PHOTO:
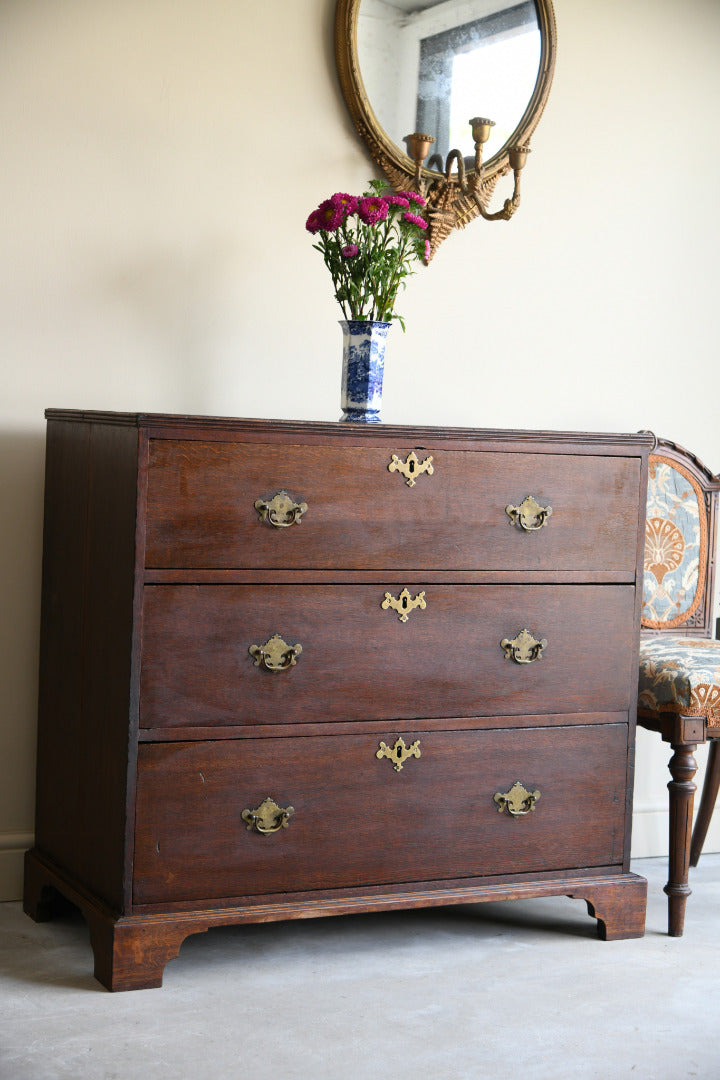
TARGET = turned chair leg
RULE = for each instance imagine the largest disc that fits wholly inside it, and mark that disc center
(683, 767)
(707, 801)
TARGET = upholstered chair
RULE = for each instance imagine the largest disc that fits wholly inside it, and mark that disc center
(679, 691)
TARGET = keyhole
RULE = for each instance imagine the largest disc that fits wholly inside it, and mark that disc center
(411, 465)
(404, 602)
(398, 752)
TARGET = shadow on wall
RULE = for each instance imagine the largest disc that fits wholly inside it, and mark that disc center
(22, 457)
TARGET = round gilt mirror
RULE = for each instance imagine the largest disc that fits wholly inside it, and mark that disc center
(428, 66)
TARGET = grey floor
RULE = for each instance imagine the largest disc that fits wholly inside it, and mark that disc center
(522, 990)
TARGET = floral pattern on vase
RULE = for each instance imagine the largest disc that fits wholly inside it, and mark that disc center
(362, 370)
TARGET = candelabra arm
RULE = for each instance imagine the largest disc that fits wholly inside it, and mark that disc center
(456, 156)
(419, 182)
(505, 214)
(510, 205)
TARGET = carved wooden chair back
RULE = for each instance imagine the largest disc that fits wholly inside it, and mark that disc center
(679, 691)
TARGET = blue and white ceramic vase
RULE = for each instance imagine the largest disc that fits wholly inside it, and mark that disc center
(363, 369)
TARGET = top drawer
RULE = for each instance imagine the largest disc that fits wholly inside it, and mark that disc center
(362, 515)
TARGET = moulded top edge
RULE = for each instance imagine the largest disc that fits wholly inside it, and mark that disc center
(177, 423)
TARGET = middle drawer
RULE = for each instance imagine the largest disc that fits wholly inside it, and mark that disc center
(345, 652)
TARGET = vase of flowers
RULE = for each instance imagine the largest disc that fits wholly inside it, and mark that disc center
(370, 244)
(363, 369)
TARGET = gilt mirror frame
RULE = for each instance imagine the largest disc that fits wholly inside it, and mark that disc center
(395, 163)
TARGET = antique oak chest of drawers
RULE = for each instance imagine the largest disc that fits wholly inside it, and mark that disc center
(300, 669)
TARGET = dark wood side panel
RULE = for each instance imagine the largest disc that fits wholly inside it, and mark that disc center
(360, 662)
(634, 660)
(358, 821)
(85, 745)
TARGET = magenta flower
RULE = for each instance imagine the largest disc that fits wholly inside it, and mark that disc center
(347, 203)
(371, 209)
(331, 215)
(413, 197)
(369, 246)
(415, 219)
(314, 222)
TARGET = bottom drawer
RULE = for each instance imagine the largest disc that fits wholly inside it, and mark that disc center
(359, 820)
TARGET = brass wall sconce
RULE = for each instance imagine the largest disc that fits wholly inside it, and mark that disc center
(455, 199)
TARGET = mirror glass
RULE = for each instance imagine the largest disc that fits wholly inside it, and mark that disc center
(431, 65)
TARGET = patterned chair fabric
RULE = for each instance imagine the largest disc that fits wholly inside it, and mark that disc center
(675, 546)
(680, 675)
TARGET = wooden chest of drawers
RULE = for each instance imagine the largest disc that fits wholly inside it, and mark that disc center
(291, 670)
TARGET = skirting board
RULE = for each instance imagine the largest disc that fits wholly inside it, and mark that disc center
(12, 852)
(650, 802)
(650, 830)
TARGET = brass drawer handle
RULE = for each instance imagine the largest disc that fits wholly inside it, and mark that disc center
(518, 801)
(268, 817)
(529, 515)
(280, 511)
(399, 753)
(411, 467)
(404, 603)
(523, 648)
(275, 654)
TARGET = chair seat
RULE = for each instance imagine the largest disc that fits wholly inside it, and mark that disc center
(680, 675)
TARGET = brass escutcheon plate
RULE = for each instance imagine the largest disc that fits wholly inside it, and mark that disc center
(399, 753)
(412, 467)
(404, 603)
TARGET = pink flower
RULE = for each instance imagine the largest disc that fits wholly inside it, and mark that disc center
(314, 222)
(331, 215)
(371, 209)
(350, 228)
(415, 219)
(413, 197)
(345, 202)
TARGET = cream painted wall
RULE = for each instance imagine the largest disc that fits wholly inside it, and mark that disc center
(159, 160)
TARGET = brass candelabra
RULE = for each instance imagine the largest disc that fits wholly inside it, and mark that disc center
(455, 198)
